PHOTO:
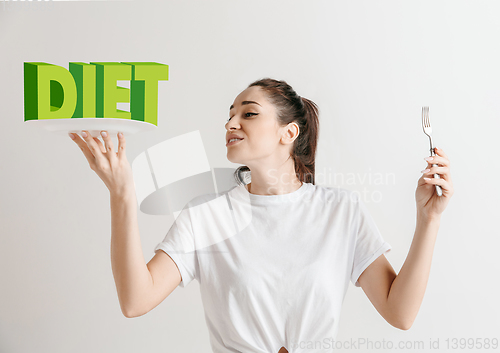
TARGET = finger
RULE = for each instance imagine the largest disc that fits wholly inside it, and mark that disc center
(95, 149)
(437, 181)
(436, 159)
(101, 146)
(442, 171)
(85, 149)
(110, 150)
(121, 146)
(440, 152)
(441, 182)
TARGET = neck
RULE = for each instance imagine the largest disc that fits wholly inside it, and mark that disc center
(274, 181)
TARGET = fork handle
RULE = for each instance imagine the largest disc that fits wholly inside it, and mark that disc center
(439, 191)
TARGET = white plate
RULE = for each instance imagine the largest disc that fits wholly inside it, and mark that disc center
(93, 126)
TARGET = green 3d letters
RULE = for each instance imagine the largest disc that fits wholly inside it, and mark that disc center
(84, 75)
(91, 91)
(49, 92)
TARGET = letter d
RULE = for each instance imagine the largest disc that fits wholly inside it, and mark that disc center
(49, 92)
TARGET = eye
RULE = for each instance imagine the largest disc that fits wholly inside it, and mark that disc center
(246, 114)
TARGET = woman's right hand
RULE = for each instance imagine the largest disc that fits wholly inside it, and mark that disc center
(112, 167)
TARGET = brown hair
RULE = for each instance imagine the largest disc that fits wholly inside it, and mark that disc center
(292, 108)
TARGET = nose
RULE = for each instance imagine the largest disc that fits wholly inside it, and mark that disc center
(231, 125)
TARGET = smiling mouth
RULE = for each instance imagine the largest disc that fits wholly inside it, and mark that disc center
(233, 142)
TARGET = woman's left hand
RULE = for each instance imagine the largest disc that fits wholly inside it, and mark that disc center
(429, 204)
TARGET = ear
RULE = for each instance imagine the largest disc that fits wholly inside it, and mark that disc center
(291, 132)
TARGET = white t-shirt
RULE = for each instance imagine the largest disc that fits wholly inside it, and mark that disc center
(273, 269)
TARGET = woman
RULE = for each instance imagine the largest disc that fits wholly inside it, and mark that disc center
(275, 260)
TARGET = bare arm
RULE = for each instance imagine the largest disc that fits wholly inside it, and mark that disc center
(408, 289)
(398, 297)
(140, 286)
(132, 277)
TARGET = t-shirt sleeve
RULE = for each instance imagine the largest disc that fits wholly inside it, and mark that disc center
(369, 242)
(179, 244)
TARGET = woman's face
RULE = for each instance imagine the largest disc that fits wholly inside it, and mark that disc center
(253, 118)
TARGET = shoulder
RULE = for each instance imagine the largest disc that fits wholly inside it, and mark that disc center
(211, 199)
(334, 194)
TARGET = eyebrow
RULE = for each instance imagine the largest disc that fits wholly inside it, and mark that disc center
(244, 103)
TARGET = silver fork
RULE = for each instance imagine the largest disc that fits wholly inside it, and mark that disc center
(426, 124)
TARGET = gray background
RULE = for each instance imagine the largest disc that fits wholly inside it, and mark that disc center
(370, 66)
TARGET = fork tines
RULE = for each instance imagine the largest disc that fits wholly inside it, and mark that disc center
(425, 117)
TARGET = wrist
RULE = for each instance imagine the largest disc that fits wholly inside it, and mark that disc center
(428, 218)
(124, 194)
